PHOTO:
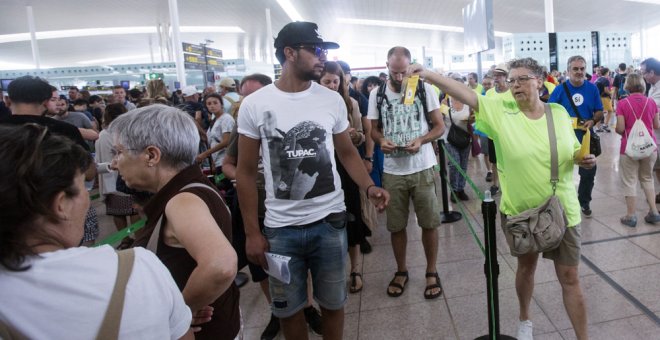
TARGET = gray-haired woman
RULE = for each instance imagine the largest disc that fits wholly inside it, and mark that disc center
(188, 224)
(520, 132)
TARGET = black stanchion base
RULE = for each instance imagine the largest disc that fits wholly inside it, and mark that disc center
(501, 337)
(450, 216)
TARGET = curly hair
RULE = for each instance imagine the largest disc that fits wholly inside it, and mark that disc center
(528, 63)
(35, 166)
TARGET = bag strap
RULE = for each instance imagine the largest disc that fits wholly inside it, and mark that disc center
(112, 319)
(633, 110)
(231, 101)
(451, 120)
(554, 162)
(570, 100)
(153, 240)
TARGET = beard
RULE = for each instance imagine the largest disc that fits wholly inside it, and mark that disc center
(396, 85)
(310, 75)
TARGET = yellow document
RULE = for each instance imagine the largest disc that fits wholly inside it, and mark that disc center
(586, 145)
(411, 87)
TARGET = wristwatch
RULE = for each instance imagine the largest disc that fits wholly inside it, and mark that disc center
(369, 159)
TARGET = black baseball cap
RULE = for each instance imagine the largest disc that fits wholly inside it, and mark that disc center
(301, 32)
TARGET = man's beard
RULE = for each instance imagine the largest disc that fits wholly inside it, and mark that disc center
(310, 76)
(396, 85)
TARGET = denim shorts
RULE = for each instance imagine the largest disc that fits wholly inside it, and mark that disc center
(320, 247)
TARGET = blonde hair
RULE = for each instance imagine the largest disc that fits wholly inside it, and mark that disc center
(156, 88)
(634, 83)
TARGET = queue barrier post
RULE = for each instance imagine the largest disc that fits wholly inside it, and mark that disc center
(491, 270)
(447, 216)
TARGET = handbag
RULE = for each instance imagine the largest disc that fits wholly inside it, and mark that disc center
(639, 144)
(457, 137)
(594, 142)
(542, 228)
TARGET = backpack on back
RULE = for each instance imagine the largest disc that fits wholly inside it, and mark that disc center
(382, 97)
(621, 93)
(235, 105)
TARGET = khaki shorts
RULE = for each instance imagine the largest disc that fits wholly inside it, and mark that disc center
(420, 187)
(636, 171)
(568, 252)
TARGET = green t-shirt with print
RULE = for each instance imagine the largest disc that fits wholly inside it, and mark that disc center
(523, 149)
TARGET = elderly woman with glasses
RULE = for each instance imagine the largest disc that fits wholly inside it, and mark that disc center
(188, 224)
(520, 132)
(49, 287)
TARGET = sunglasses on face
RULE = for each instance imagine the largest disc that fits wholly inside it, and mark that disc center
(317, 51)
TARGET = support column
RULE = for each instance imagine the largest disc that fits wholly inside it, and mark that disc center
(33, 38)
(176, 42)
(549, 16)
(159, 30)
(269, 34)
(151, 49)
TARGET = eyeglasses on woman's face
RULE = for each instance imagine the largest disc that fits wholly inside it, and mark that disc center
(522, 80)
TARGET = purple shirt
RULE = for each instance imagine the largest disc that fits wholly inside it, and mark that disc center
(637, 101)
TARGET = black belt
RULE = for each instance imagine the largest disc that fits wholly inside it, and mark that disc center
(331, 218)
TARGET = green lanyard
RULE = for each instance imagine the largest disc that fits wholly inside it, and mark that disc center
(120, 235)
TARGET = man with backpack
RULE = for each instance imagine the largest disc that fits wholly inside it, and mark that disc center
(618, 92)
(405, 133)
(230, 98)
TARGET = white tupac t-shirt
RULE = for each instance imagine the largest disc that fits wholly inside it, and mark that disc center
(402, 124)
(65, 293)
(296, 130)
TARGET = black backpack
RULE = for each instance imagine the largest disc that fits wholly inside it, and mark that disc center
(421, 93)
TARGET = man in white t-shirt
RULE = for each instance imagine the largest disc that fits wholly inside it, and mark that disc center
(299, 125)
(405, 137)
(228, 93)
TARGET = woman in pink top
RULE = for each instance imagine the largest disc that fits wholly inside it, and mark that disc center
(636, 105)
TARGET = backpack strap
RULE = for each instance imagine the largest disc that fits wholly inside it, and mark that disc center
(380, 97)
(633, 110)
(421, 93)
(231, 101)
(112, 319)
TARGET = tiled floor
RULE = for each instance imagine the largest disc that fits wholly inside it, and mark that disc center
(620, 276)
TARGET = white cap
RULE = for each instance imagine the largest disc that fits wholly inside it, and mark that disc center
(189, 91)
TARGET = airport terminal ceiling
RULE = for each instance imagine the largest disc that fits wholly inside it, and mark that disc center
(360, 26)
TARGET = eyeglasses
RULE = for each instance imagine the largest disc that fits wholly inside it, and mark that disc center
(116, 152)
(522, 80)
(318, 51)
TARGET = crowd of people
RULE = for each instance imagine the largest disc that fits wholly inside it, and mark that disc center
(321, 152)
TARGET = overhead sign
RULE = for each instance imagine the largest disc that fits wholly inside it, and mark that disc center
(193, 49)
(198, 57)
(152, 76)
(479, 33)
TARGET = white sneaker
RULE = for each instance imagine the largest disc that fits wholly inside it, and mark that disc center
(525, 330)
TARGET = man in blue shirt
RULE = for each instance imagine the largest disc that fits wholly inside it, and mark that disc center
(587, 101)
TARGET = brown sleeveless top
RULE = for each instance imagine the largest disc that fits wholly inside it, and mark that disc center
(226, 320)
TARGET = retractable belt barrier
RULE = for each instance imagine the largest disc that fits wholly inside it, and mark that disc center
(491, 266)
